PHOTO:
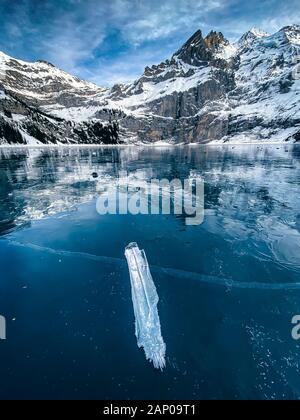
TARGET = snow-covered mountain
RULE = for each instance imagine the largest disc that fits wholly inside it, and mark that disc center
(41, 104)
(209, 90)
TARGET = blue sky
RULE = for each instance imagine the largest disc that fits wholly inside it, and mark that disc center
(112, 41)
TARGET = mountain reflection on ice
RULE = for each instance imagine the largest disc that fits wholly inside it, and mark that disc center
(228, 288)
(250, 191)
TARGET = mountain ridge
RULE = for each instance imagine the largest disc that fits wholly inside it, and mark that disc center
(209, 90)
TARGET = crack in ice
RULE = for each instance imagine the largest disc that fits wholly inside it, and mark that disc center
(173, 272)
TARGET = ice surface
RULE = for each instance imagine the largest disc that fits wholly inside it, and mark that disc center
(145, 300)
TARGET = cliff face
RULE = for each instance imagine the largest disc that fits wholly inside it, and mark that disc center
(209, 90)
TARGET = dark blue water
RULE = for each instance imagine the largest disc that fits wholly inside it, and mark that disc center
(228, 288)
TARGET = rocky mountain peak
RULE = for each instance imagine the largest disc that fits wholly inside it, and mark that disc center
(291, 28)
(194, 51)
(45, 63)
(292, 33)
(214, 40)
(258, 33)
(250, 36)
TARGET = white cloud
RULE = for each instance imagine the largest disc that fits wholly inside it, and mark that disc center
(122, 69)
(73, 33)
(167, 18)
(72, 36)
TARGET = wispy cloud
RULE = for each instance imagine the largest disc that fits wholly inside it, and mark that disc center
(160, 19)
(108, 41)
(124, 69)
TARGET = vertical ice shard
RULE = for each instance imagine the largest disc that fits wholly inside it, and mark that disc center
(145, 300)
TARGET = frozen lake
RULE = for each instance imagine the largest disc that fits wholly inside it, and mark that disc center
(228, 288)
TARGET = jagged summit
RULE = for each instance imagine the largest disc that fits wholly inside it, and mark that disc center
(250, 36)
(214, 40)
(199, 50)
(258, 32)
(194, 51)
(195, 40)
(292, 33)
(293, 27)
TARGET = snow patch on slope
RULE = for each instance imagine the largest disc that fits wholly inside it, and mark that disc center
(259, 33)
(154, 91)
(227, 52)
(30, 141)
(2, 95)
